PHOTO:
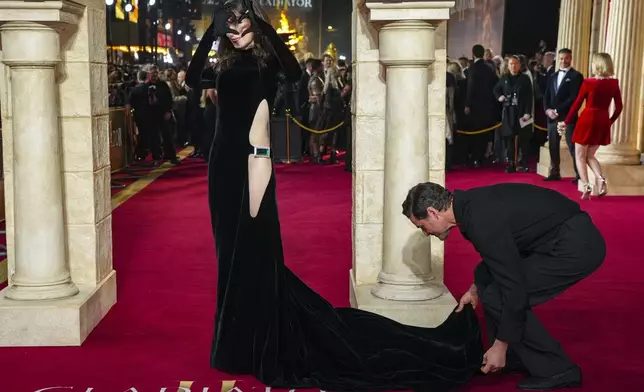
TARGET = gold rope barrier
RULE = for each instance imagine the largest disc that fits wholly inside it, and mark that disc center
(493, 127)
(540, 128)
(299, 124)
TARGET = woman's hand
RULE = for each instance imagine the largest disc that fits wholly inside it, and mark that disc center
(561, 128)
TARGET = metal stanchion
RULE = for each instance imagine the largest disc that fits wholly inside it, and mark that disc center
(288, 136)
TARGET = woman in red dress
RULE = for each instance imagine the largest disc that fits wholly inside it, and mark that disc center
(593, 127)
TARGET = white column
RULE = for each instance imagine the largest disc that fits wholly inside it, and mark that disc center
(407, 50)
(625, 43)
(31, 51)
(574, 31)
(575, 18)
(598, 28)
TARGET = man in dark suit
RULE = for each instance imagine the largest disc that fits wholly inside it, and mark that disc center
(530, 255)
(561, 92)
(481, 107)
(546, 69)
(303, 102)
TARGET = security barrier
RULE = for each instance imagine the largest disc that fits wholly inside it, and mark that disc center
(286, 137)
(122, 139)
(286, 140)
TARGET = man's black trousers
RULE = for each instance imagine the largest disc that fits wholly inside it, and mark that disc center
(575, 252)
(555, 145)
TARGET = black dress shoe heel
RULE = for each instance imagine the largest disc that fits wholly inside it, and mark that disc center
(569, 379)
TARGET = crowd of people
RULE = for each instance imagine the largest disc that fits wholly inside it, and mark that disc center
(323, 102)
(170, 114)
(503, 109)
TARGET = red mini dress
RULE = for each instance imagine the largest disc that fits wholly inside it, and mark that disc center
(593, 126)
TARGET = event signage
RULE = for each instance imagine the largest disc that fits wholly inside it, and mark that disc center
(285, 4)
(279, 4)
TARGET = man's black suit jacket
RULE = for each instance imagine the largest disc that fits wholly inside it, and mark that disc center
(481, 80)
(561, 99)
(506, 223)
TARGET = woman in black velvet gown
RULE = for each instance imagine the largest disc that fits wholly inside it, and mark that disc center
(268, 323)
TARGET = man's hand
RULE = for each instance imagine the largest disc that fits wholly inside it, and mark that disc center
(502, 98)
(526, 116)
(494, 358)
(552, 114)
(466, 110)
(471, 297)
(167, 116)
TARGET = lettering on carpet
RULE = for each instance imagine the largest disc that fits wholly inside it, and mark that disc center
(184, 386)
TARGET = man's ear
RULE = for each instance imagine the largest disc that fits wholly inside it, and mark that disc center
(431, 213)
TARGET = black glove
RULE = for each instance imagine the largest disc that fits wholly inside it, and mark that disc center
(259, 24)
(220, 19)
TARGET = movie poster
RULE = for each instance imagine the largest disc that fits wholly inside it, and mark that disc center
(475, 22)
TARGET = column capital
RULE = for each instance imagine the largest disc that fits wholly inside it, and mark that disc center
(407, 43)
(407, 29)
(49, 11)
(397, 10)
(29, 44)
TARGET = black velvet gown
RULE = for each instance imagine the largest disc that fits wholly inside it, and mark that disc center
(268, 323)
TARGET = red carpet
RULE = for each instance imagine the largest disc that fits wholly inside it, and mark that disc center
(160, 331)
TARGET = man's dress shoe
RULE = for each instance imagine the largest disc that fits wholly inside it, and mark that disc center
(569, 378)
(552, 177)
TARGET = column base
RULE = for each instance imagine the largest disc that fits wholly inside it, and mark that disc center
(65, 322)
(565, 166)
(622, 180)
(41, 293)
(426, 314)
(390, 288)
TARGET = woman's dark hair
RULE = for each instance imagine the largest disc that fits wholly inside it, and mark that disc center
(226, 52)
(423, 196)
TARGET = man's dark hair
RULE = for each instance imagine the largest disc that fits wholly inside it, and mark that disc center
(316, 63)
(423, 196)
(478, 51)
(142, 75)
(565, 50)
(310, 60)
